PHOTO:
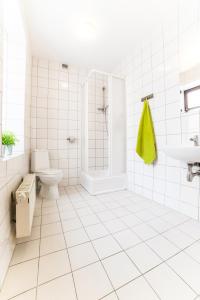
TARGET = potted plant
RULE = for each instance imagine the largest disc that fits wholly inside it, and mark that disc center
(8, 141)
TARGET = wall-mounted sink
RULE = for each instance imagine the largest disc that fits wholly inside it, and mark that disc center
(188, 154)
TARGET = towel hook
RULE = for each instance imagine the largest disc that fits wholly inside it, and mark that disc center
(148, 97)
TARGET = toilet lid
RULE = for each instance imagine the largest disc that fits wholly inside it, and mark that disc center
(50, 171)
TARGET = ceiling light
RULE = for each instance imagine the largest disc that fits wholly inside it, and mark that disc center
(87, 30)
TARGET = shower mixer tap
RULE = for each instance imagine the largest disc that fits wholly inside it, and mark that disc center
(103, 109)
(71, 140)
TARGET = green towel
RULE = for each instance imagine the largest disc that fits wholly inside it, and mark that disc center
(146, 144)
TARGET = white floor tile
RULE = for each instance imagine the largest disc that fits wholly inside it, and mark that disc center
(38, 211)
(98, 207)
(82, 255)
(76, 237)
(79, 204)
(192, 228)
(25, 251)
(186, 268)
(106, 246)
(160, 225)
(137, 289)
(144, 231)
(114, 214)
(127, 238)
(20, 278)
(110, 297)
(37, 221)
(89, 220)
(106, 216)
(120, 269)
(179, 238)
(53, 265)
(120, 212)
(168, 285)
(131, 220)
(71, 224)
(92, 282)
(96, 231)
(50, 218)
(61, 288)
(194, 251)
(159, 210)
(67, 214)
(115, 225)
(51, 229)
(143, 257)
(162, 247)
(85, 211)
(175, 218)
(51, 244)
(49, 210)
(30, 295)
(49, 203)
(145, 215)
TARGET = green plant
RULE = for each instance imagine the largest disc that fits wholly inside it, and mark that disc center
(8, 138)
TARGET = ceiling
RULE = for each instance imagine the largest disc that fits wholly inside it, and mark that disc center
(55, 28)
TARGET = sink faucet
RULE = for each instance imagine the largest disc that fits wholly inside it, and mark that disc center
(195, 139)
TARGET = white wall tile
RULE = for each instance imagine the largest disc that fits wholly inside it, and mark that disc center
(55, 114)
(11, 171)
(156, 70)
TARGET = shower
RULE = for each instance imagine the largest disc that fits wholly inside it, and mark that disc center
(103, 152)
(104, 109)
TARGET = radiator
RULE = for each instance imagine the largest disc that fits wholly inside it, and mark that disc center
(25, 205)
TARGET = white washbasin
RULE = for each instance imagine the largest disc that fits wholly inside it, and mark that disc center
(188, 154)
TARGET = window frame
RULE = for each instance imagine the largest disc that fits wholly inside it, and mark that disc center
(9, 38)
(185, 93)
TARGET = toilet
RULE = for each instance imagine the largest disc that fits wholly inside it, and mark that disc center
(49, 178)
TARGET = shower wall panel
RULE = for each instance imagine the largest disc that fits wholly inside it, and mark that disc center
(97, 122)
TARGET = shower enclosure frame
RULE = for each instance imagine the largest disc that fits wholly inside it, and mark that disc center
(106, 178)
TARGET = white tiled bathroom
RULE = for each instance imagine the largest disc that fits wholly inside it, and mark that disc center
(100, 155)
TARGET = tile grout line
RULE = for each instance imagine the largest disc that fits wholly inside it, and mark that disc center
(163, 261)
(100, 260)
(132, 228)
(101, 222)
(36, 294)
(124, 251)
(76, 295)
(181, 278)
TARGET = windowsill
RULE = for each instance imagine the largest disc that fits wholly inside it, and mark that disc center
(9, 157)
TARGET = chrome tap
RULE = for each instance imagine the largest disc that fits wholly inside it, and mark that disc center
(193, 170)
(195, 139)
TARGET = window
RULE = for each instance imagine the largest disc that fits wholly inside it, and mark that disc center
(14, 72)
(192, 98)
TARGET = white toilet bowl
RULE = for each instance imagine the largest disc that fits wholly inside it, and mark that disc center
(50, 179)
(40, 165)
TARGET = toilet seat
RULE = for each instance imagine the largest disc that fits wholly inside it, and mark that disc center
(49, 172)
